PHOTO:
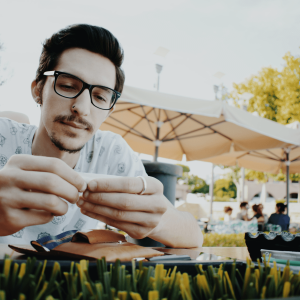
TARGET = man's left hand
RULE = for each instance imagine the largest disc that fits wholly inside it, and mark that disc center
(116, 202)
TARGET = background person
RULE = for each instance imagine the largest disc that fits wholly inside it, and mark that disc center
(243, 214)
(266, 218)
(259, 216)
(228, 212)
(279, 218)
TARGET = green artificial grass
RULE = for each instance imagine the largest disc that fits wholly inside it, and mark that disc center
(28, 281)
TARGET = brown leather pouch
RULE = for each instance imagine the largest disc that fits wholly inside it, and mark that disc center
(91, 245)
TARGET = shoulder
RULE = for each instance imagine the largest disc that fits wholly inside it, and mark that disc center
(16, 116)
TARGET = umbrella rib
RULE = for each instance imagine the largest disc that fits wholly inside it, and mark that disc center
(295, 159)
(130, 132)
(186, 117)
(124, 109)
(260, 155)
(209, 126)
(145, 115)
(273, 154)
(142, 116)
(136, 122)
(174, 131)
(139, 133)
(188, 137)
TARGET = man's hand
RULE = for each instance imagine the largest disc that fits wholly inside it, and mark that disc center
(116, 202)
(30, 191)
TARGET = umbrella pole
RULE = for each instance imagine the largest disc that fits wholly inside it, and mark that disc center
(157, 142)
(243, 185)
(211, 192)
(156, 153)
(287, 163)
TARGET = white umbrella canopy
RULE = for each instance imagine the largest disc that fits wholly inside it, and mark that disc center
(269, 160)
(286, 159)
(197, 128)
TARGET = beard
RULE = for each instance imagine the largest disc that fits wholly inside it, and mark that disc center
(58, 144)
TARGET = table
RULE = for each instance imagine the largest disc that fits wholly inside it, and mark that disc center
(233, 252)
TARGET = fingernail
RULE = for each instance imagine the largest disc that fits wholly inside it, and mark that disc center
(85, 194)
(80, 202)
(83, 212)
(83, 188)
(92, 185)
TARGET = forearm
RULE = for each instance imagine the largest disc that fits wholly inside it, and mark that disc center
(178, 230)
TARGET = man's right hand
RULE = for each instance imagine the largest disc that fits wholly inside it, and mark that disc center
(30, 191)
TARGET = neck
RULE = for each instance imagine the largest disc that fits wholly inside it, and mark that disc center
(42, 146)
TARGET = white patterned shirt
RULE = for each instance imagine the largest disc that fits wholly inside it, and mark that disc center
(105, 153)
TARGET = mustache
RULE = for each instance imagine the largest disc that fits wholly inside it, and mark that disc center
(72, 118)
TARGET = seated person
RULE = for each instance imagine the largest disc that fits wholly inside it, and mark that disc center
(228, 212)
(279, 218)
(243, 214)
(259, 216)
(266, 218)
(77, 84)
(16, 116)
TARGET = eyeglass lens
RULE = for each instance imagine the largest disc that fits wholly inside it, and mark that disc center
(70, 86)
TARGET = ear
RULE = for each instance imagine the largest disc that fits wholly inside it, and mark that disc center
(35, 92)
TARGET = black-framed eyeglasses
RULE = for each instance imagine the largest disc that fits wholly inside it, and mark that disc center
(70, 86)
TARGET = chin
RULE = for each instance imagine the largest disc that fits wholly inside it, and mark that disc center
(67, 147)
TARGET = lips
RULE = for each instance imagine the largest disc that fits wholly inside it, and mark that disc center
(74, 125)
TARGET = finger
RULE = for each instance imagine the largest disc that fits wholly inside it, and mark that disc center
(127, 202)
(141, 218)
(131, 185)
(40, 201)
(51, 165)
(32, 217)
(47, 183)
(136, 231)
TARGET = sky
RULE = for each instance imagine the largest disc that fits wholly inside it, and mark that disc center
(235, 37)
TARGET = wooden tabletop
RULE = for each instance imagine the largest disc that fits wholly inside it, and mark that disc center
(233, 252)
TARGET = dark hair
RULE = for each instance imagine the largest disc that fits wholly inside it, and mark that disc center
(257, 209)
(243, 204)
(227, 209)
(92, 38)
(281, 207)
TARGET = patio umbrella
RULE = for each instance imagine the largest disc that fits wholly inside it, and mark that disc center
(286, 159)
(157, 123)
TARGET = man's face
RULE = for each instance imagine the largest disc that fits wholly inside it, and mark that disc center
(70, 123)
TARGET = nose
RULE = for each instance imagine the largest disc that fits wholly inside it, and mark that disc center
(81, 105)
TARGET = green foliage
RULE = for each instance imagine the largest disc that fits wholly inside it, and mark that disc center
(204, 189)
(195, 183)
(256, 175)
(224, 240)
(225, 188)
(185, 169)
(115, 283)
(275, 94)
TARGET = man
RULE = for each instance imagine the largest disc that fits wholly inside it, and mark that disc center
(243, 214)
(77, 84)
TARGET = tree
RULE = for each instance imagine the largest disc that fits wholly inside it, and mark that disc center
(275, 94)
(195, 183)
(224, 188)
